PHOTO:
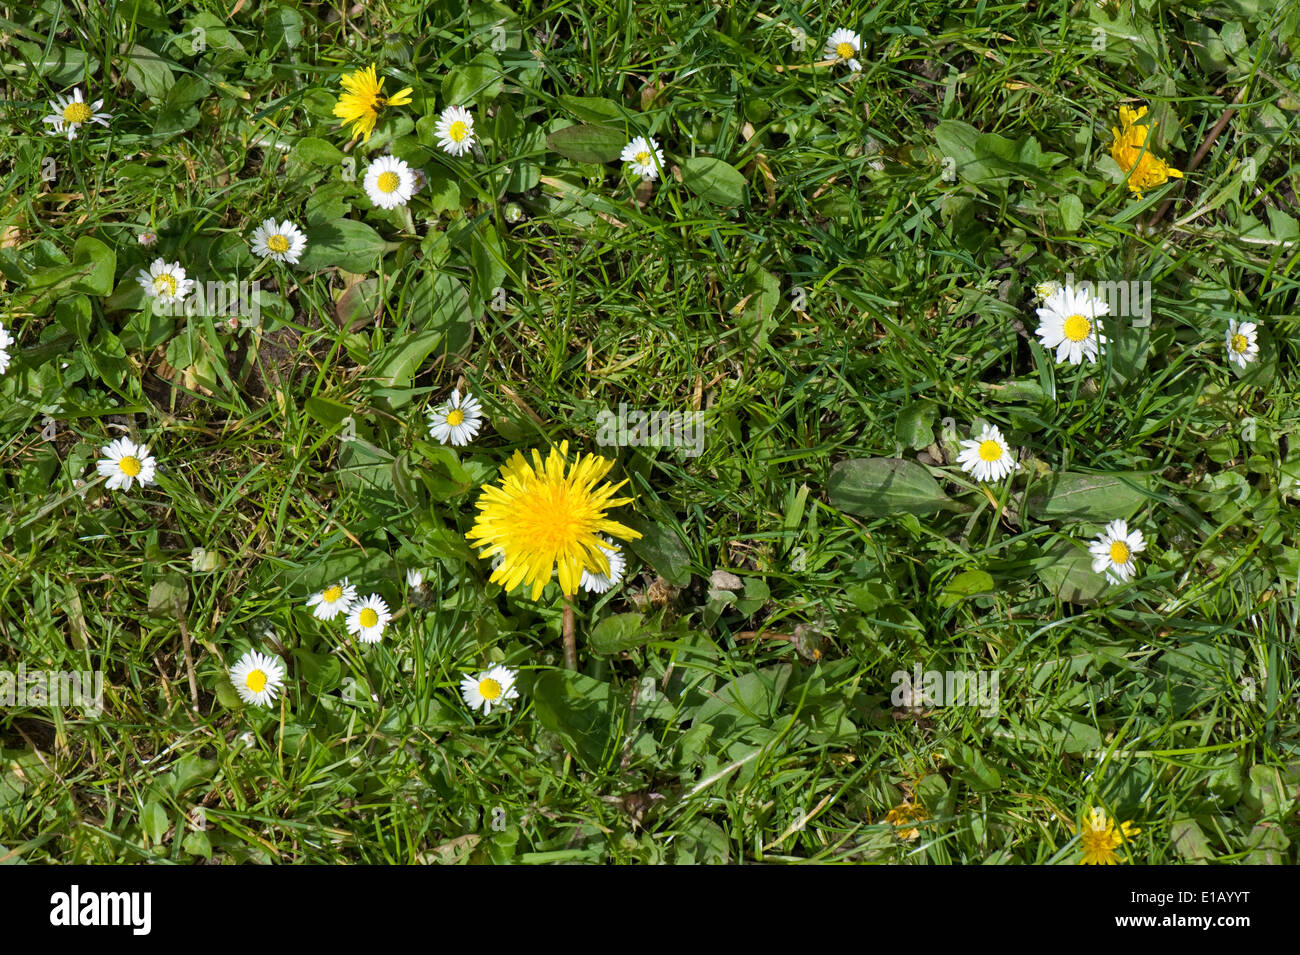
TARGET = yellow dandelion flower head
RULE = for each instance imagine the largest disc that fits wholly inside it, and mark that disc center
(1131, 151)
(363, 99)
(905, 815)
(1101, 838)
(545, 517)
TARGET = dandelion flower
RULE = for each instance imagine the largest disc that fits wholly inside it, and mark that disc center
(843, 47)
(257, 678)
(645, 156)
(73, 112)
(1068, 322)
(1113, 550)
(333, 600)
(455, 130)
(597, 583)
(283, 242)
(367, 619)
(6, 340)
(1242, 343)
(363, 100)
(905, 816)
(125, 462)
(1132, 152)
(1100, 838)
(988, 457)
(544, 519)
(165, 282)
(494, 687)
(389, 182)
(457, 420)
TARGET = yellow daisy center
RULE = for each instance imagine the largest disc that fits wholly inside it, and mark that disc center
(990, 450)
(277, 243)
(643, 158)
(256, 681)
(457, 131)
(489, 689)
(130, 465)
(1119, 552)
(845, 51)
(368, 618)
(332, 594)
(1077, 327)
(77, 113)
(165, 284)
(455, 417)
(388, 182)
(1240, 343)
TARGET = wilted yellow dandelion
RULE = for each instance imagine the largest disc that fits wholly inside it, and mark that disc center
(1131, 150)
(905, 815)
(540, 519)
(363, 100)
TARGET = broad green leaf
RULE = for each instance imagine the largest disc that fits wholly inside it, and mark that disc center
(1075, 496)
(659, 547)
(714, 180)
(1066, 571)
(969, 583)
(595, 110)
(914, 426)
(620, 632)
(578, 709)
(316, 152)
(877, 487)
(346, 243)
(597, 144)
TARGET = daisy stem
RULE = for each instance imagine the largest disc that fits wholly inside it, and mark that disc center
(570, 641)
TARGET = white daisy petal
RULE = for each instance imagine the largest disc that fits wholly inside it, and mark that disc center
(333, 600)
(1113, 551)
(367, 619)
(280, 241)
(124, 463)
(257, 678)
(457, 420)
(644, 156)
(455, 130)
(987, 457)
(389, 182)
(492, 687)
(596, 583)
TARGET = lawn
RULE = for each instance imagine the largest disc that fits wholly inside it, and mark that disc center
(854, 622)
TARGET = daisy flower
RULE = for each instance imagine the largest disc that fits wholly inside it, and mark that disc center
(1068, 322)
(988, 457)
(363, 100)
(389, 182)
(333, 600)
(456, 420)
(368, 618)
(494, 687)
(544, 519)
(5, 341)
(257, 678)
(415, 579)
(124, 462)
(843, 47)
(1045, 290)
(1242, 343)
(455, 130)
(1131, 150)
(165, 282)
(147, 239)
(642, 153)
(1113, 552)
(597, 583)
(1100, 838)
(283, 242)
(71, 112)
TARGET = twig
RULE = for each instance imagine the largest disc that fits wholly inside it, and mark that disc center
(1200, 153)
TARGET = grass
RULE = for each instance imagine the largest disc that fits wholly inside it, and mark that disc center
(848, 300)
